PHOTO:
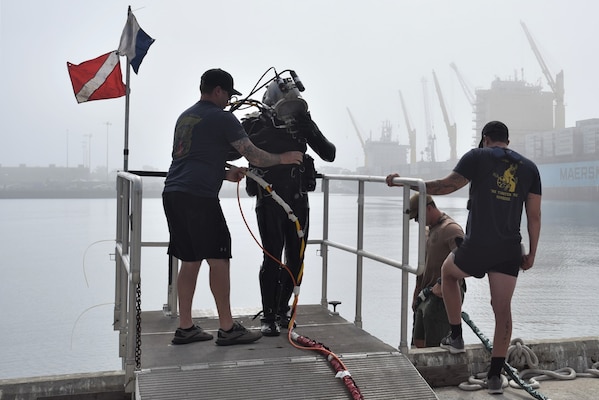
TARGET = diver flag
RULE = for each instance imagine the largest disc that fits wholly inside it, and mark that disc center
(134, 42)
(97, 79)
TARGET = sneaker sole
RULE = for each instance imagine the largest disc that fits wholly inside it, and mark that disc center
(452, 349)
(495, 389)
(193, 339)
(230, 342)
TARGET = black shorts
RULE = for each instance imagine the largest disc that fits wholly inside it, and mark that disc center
(478, 260)
(197, 227)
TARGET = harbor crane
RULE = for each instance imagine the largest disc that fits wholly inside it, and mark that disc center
(556, 85)
(469, 95)
(451, 128)
(411, 131)
(465, 87)
(359, 135)
(430, 135)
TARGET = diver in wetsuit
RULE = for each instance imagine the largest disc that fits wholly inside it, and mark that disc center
(292, 183)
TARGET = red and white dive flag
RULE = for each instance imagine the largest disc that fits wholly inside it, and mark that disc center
(97, 79)
(134, 42)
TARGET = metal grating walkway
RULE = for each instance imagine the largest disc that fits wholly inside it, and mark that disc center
(271, 368)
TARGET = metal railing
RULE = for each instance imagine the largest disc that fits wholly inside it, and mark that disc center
(361, 253)
(129, 244)
(127, 274)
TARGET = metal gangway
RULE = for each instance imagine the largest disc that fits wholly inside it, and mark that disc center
(129, 244)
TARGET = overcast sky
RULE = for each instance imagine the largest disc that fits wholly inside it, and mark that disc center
(348, 53)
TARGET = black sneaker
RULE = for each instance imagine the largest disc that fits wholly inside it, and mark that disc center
(236, 335)
(454, 346)
(270, 328)
(495, 384)
(195, 334)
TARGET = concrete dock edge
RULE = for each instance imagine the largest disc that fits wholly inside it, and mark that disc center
(440, 368)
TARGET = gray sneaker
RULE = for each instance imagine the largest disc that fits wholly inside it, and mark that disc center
(237, 335)
(195, 334)
(495, 384)
(454, 346)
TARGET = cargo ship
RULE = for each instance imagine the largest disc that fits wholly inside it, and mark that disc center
(568, 160)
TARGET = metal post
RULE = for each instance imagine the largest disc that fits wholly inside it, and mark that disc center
(324, 249)
(126, 146)
(170, 309)
(107, 128)
(405, 259)
(359, 259)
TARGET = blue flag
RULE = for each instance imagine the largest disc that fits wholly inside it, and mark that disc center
(134, 42)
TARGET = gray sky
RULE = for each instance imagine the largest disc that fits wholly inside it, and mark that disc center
(349, 54)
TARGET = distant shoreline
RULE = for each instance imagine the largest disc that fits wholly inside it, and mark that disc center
(8, 194)
(549, 193)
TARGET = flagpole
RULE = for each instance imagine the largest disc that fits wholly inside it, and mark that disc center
(134, 44)
(126, 148)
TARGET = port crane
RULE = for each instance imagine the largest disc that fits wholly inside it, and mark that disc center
(411, 131)
(430, 135)
(359, 135)
(465, 87)
(451, 128)
(469, 95)
(556, 85)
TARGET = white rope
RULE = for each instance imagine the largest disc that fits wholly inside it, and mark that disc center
(566, 373)
(478, 382)
(591, 372)
(521, 356)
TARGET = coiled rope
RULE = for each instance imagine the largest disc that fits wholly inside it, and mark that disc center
(521, 357)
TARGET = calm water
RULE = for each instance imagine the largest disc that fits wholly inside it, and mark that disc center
(57, 276)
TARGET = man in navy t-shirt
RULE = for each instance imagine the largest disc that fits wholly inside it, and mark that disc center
(205, 136)
(502, 184)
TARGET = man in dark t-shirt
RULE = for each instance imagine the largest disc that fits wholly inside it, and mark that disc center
(205, 135)
(502, 184)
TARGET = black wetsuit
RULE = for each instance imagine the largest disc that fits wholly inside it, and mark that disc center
(292, 183)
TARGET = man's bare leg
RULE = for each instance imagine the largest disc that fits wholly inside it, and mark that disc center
(186, 286)
(452, 296)
(220, 285)
(502, 288)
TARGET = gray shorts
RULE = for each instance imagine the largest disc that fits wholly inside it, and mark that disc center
(198, 229)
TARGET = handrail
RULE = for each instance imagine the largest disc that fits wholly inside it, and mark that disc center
(129, 243)
(128, 272)
(407, 184)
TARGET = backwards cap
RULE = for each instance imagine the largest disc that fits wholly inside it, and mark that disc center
(496, 130)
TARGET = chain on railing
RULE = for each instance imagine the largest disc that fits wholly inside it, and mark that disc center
(138, 326)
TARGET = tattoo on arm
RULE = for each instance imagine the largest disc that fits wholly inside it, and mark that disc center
(254, 154)
(449, 184)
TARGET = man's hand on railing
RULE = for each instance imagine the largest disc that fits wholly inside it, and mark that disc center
(389, 180)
